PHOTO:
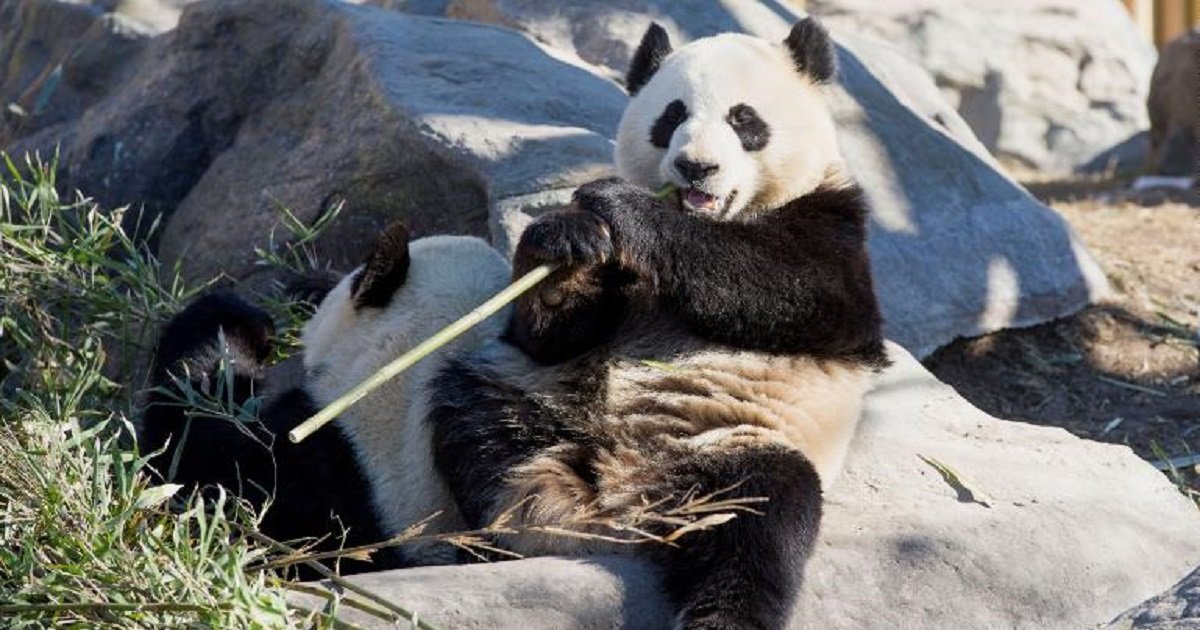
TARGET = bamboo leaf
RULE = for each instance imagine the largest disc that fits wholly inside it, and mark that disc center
(156, 495)
(968, 491)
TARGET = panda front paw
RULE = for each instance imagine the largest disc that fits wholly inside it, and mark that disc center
(569, 238)
(616, 201)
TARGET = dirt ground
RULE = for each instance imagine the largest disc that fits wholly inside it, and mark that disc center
(1126, 370)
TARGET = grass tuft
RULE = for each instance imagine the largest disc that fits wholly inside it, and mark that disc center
(85, 538)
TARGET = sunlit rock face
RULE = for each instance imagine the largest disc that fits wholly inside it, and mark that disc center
(1045, 84)
(248, 107)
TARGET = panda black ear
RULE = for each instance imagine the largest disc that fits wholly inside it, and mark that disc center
(655, 47)
(812, 50)
(385, 269)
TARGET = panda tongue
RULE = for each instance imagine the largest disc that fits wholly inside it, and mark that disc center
(698, 199)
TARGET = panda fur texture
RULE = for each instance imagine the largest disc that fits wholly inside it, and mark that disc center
(723, 340)
(717, 342)
(369, 475)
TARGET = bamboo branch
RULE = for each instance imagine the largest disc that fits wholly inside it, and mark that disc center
(399, 611)
(424, 349)
(429, 346)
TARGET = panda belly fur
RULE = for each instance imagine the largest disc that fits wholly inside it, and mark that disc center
(729, 398)
(572, 442)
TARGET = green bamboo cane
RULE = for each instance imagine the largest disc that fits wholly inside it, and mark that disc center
(430, 345)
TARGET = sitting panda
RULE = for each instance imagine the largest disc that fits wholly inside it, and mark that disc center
(718, 342)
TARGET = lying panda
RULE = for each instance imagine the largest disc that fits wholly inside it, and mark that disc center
(718, 342)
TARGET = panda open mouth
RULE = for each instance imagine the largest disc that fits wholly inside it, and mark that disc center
(699, 201)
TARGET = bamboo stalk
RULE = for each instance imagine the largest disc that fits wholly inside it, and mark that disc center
(422, 350)
(325, 572)
(427, 347)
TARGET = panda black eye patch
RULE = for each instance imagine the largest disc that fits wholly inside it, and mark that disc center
(750, 129)
(673, 116)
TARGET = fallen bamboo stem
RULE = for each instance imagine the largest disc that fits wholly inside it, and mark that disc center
(427, 347)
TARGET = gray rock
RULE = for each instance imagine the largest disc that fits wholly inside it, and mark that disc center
(246, 107)
(1174, 99)
(958, 248)
(58, 59)
(460, 127)
(1178, 608)
(1075, 532)
(1045, 84)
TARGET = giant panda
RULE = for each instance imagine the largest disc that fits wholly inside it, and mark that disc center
(717, 343)
(369, 475)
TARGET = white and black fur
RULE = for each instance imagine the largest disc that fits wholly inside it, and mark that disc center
(721, 341)
(369, 475)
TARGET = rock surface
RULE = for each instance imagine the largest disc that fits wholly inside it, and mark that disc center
(1176, 609)
(463, 127)
(1046, 84)
(247, 107)
(1174, 104)
(58, 59)
(1075, 532)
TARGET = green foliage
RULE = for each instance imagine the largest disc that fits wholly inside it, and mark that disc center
(85, 538)
(295, 258)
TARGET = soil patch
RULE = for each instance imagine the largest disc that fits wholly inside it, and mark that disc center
(1126, 370)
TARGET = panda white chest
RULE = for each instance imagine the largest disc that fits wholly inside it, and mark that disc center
(732, 399)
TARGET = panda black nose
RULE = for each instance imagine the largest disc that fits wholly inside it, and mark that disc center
(694, 171)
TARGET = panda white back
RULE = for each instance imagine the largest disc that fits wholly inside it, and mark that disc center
(345, 343)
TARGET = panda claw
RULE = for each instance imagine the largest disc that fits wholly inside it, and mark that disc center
(615, 201)
(570, 238)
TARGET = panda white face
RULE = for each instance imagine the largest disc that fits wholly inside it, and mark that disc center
(738, 124)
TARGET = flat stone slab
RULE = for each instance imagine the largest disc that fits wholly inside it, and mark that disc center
(1074, 533)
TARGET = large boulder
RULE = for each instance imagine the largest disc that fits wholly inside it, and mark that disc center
(248, 107)
(1174, 104)
(1045, 84)
(1072, 533)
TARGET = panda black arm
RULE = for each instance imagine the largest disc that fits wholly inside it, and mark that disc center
(794, 280)
(581, 304)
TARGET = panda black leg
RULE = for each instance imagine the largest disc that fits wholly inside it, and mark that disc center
(744, 573)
